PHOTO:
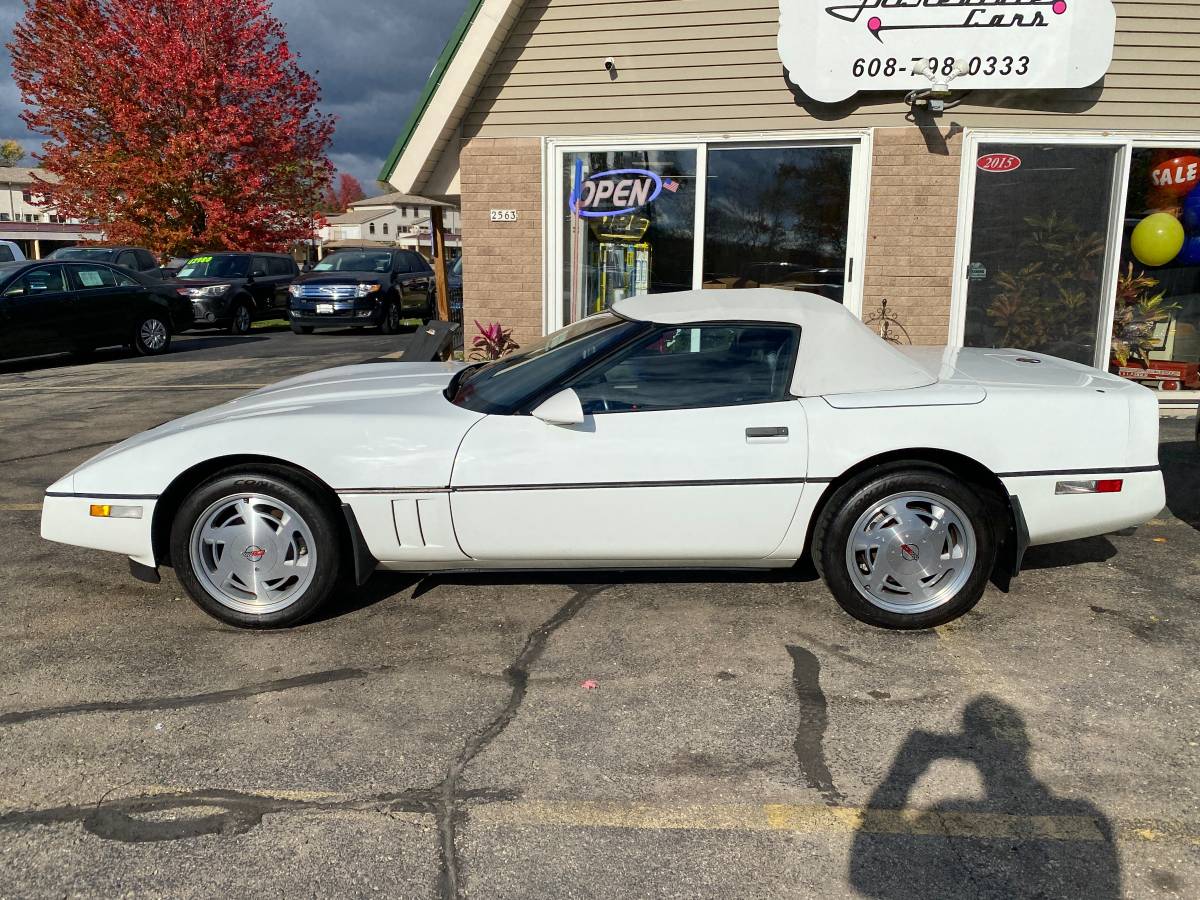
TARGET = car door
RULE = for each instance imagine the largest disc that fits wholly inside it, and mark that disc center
(35, 313)
(283, 272)
(692, 449)
(259, 285)
(100, 304)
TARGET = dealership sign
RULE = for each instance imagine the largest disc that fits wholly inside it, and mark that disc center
(832, 49)
(616, 191)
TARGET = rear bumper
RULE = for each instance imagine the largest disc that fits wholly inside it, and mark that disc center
(1054, 517)
(67, 520)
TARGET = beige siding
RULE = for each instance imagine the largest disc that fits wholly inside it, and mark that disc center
(502, 261)
(712, 65)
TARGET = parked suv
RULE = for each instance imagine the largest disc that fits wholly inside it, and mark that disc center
(363, 287)
(231, 290)
(136, 259)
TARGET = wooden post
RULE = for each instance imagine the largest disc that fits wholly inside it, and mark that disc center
(439, 262)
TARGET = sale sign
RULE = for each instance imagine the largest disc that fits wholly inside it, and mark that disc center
(833, 49)
(1177, 176)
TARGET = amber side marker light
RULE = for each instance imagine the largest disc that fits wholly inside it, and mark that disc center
(105, 511)
(1101, 486)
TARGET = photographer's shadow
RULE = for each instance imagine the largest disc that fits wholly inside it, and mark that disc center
(1020, 840)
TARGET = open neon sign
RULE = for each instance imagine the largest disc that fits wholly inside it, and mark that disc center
(614, 192)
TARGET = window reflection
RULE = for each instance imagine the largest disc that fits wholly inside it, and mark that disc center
(778, 217)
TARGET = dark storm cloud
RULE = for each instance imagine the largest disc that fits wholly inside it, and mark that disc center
(372, 58)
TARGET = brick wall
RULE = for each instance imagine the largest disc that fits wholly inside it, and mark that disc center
(911, 228)
(502, 261)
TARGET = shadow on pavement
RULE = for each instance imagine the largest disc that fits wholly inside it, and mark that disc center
(1068, 553)
(1181, 472)
(120, 354)
(1020, 840)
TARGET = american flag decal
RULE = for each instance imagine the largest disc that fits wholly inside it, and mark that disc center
(670, 184)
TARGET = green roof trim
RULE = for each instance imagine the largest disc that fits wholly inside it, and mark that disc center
(431, 86)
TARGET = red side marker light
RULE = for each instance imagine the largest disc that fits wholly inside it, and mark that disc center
(1110, 486)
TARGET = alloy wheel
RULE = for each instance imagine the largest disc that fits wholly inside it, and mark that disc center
(153, 335)
(911, 552)
(253, 553)
(241, 319)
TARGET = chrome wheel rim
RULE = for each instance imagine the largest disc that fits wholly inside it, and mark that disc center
(153, 334)
(241, 319)
(911, 552)
(253, 553)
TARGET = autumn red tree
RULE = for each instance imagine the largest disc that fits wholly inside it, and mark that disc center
(341, 193)
(177, 124)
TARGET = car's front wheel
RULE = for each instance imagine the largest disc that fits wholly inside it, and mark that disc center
(152, 335)
(910, 548)
(390, 323)
(242, 319)
(257, 548)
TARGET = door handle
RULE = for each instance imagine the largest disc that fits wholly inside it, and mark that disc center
(778, 431)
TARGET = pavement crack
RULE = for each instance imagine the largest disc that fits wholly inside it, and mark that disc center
(813, 724)
(452, 805)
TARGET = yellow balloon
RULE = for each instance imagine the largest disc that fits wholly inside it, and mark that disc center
(1157, 239)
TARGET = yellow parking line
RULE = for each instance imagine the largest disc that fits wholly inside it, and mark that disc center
(821, 820)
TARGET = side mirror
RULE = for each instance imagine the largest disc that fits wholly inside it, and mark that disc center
(563, 408)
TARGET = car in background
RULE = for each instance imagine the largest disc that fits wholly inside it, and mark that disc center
(63, 306)
(232, 290)
(136, 259)
(10, 252)
(363, 287)
(454, 286)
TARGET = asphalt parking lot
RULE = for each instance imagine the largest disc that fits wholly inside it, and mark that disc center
(696, 735)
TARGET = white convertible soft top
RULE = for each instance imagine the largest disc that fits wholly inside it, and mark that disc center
(838, 353)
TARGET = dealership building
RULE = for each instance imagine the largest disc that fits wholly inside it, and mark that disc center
(1000, 172)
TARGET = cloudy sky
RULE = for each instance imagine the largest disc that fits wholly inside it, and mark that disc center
(371, 56)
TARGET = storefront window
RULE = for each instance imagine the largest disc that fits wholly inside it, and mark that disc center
(1039, 243)
(778, 217)
(629, 226)
(1156, 323)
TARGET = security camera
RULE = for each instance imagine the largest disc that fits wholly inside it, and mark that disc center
(610, 64)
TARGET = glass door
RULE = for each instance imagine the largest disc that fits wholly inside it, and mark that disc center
(1042, 238)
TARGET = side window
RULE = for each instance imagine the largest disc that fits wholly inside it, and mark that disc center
(6, 255)
(694, 366)
(89, 278)
(127, 258)
(258, 267)
(401, 263)
(145, 260)
(124, 280)
(417, 262)
(38, 281)
(280, 266)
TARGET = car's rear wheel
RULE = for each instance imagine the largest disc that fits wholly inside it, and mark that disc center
(257, 548)
(151, 335)
(912, 548)
(302, 329)
(242, 319)
(390, 324)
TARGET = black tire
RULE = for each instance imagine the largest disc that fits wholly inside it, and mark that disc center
(390, 323)
(151, 335)
(242, 318)
(269, 483)
(849, 503)
(301, 329)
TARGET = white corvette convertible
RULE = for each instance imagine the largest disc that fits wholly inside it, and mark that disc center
(700, 429)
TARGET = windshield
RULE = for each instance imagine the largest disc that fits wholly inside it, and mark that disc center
(97, 253)
(215, 267)
(501, 387)
(355, 261)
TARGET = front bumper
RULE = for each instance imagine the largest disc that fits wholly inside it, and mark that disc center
(342, 315)
(67, 519)
(210, 311)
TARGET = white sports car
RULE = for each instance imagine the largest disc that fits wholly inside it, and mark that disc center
(700, 429)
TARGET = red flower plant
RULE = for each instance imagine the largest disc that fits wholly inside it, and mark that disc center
(493, 342)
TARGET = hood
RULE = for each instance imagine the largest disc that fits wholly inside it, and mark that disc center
(342, 277)
(203, 282)
(370, 425)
